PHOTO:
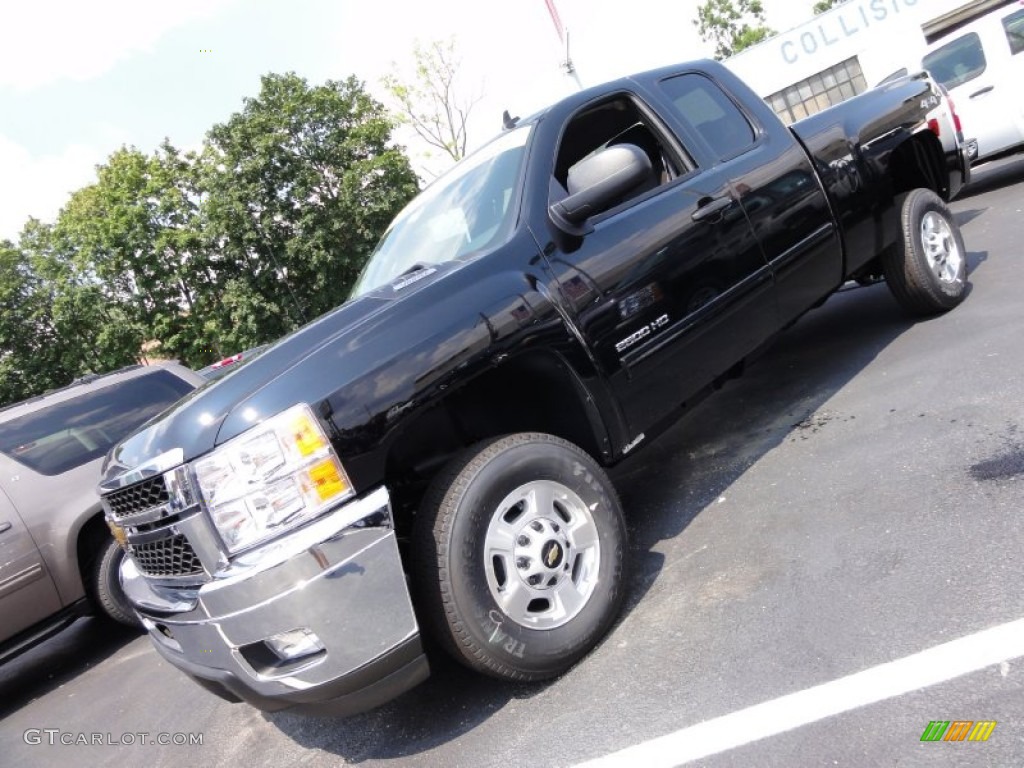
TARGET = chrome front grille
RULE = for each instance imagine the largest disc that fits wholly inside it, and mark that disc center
(171, 556)
(150, 493)
(151, 512)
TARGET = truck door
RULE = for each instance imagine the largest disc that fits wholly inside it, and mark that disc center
(27, 593)
(670, 288)
(773, 179)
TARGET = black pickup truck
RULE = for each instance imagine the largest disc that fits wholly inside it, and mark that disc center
(430, 453)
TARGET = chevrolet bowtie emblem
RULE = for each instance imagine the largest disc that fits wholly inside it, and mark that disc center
(552, 556)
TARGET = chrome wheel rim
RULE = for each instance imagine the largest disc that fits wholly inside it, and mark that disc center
(940, 248)
(542, 555)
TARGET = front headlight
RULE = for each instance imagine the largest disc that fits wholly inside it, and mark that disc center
(270, 478)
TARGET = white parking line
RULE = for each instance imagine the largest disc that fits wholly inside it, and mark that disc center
(930, 667)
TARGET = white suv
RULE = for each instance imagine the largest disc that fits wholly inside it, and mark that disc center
(982, 66)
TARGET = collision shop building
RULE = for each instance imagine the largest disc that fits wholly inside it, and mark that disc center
(848, 49)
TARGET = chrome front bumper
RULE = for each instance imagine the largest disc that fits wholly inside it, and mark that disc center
(338, 581)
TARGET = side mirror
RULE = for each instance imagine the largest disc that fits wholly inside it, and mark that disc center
(597, 182)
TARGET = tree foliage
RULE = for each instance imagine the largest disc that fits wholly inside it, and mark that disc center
(26, 329)
(824, 5)
(433, 102)
(732, 25)
(198, 255)
(301, 184)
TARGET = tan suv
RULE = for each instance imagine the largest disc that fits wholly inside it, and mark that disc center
(58, 560)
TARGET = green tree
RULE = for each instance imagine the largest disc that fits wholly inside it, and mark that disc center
(132, 238)
(298, 187)
(81, 331)
(25, 332)
(185, 321)
(54, 323)
(432, 101)
(732, 25)
(824, 5)
(201, 255)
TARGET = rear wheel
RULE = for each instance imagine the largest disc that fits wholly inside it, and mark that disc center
(520, 555)
(106, 586)
(927, 269)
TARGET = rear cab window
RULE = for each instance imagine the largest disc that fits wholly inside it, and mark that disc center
(706, 109)
(71, 433)
(958, 61)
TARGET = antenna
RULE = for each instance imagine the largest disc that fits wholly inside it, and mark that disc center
(507, 121)
(563, 34)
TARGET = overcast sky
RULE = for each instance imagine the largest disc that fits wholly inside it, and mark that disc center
(78, 78)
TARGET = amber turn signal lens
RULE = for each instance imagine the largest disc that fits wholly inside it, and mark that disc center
(328, 480)
(307, 437)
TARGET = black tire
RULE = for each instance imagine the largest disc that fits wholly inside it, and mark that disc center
(926, 278)
(455, 598)
(106, 588)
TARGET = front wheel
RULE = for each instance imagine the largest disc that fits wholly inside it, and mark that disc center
(520, 553)
(106, 588)
(927, 268)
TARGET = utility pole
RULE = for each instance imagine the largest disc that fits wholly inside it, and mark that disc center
(563, 35)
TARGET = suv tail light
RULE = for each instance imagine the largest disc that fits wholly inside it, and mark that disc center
(956, 117)
(227, 361)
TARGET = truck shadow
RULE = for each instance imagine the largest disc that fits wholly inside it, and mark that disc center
(691, 466)
(48, 666)
(452, 702)
(990, 177)
(964, 217)
(663, 488)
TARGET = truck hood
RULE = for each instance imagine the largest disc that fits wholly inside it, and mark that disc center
(193, 425)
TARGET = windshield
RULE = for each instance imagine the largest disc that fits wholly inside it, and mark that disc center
(467, 209)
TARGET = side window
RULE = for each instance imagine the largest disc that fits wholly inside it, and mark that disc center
(710, 113)
(957, 62)
(613, 122)
(1014, 27)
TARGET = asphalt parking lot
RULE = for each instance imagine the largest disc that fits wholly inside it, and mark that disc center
(854, 501)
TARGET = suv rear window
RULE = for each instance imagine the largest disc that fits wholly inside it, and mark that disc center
(1014, 27)
(66, 435)
(957, 62)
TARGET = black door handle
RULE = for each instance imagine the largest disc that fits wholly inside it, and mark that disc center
(712, 208)
(983, 91)
(4, 527)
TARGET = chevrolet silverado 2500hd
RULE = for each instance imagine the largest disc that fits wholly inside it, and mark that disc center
(430, 453)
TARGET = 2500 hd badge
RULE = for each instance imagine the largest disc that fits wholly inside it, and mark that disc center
(642, 334)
